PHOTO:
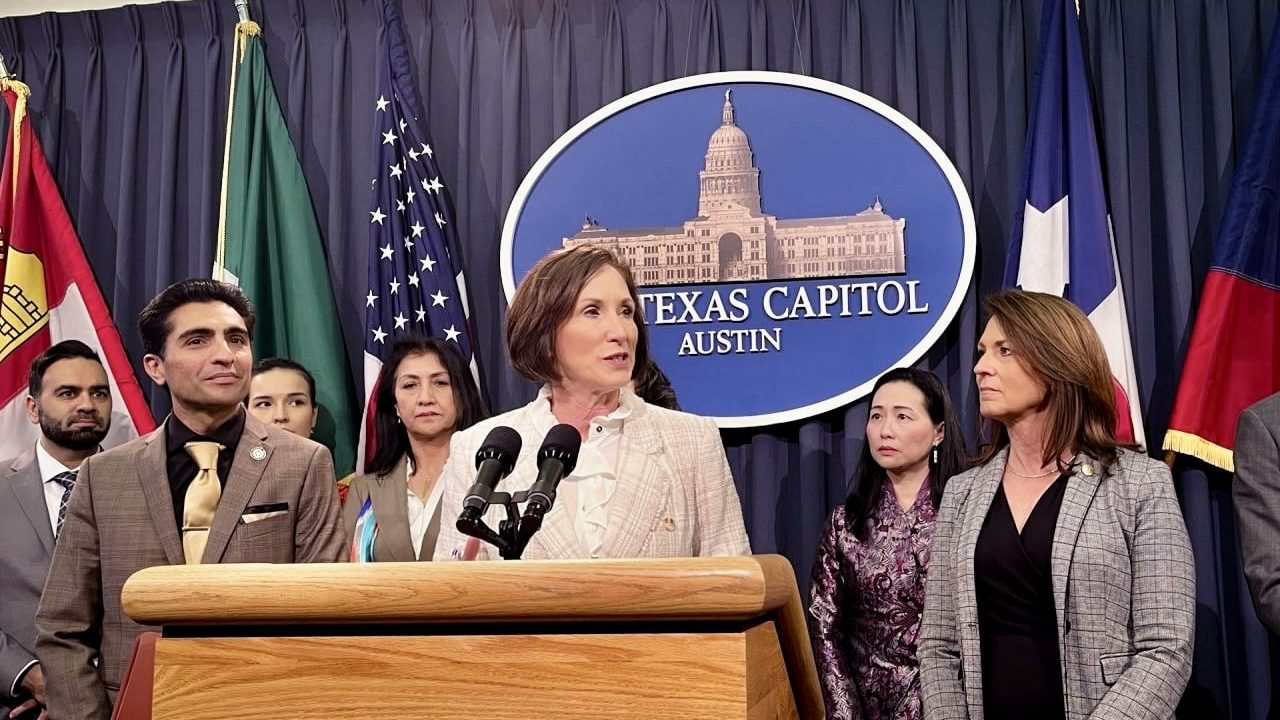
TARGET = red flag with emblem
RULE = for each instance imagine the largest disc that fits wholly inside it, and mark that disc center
(50, 294)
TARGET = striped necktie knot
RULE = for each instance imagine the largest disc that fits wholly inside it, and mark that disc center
(67, 480)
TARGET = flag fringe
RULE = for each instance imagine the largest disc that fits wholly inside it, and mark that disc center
(1196, 446)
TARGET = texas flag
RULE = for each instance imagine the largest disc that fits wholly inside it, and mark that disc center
(1233, 359)
(1061, 241)
(50, 294)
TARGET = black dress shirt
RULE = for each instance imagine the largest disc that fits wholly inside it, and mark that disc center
(1017, 621)
(182, 468)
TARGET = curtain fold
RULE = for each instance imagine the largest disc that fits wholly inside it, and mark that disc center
(562, 68)
(802, 37)
(706, 26)
(206, 120)
(757, 36)
(130, 104)
(851, 43)
(612, 79)
(906, 96)
(660, 53)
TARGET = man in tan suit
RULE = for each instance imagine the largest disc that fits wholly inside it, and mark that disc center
(211, 485)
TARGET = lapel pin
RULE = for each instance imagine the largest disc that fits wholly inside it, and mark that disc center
(1086, 470)
(258, 453)
(669, 524)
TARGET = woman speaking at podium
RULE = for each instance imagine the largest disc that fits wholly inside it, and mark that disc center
(648, 482)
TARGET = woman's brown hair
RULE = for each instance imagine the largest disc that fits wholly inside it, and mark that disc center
(1057, 344)
(544, 301)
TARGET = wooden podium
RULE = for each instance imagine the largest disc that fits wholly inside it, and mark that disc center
(671, 638)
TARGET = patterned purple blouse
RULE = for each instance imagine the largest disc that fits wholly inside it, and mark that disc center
(865, 602)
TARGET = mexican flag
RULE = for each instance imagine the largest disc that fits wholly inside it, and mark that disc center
(269, 244)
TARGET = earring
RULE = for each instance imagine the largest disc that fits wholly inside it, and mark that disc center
(935, 454)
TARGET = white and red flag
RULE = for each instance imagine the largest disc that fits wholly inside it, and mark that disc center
(49, 292)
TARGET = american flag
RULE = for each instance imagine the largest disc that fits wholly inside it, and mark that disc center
(415, 273)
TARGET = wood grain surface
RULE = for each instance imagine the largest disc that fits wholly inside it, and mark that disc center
(715, 675)
(757, 590)
(669, 588)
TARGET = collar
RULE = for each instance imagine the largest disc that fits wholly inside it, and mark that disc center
(228, 434)
(889, 500)
(628, 405)
(49, 465)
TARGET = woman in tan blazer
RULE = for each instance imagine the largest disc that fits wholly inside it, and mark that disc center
(649, 482)
(424, 394)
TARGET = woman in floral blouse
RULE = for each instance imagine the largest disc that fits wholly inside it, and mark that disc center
(869, 575)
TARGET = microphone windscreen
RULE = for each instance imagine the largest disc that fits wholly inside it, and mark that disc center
(562, 443)
(503, 444)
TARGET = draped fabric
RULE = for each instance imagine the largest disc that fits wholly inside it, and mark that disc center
(130, 104)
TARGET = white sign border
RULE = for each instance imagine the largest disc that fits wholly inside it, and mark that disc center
(770, 78)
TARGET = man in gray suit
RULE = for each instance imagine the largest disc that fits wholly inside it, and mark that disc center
(1256, 497)
(210, 485)
(70, 399)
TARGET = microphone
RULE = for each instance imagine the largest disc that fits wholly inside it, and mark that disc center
(556, 458)
(494, 461)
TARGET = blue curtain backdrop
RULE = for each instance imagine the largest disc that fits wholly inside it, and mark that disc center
(131, 103)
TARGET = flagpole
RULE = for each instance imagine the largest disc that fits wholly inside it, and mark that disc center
(244, 27)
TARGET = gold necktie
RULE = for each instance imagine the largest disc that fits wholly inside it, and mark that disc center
(201, 501)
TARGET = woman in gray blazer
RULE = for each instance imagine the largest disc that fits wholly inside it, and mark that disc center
(1061, 582)
(423, 395)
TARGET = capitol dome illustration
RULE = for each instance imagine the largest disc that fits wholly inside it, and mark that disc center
(732, 239)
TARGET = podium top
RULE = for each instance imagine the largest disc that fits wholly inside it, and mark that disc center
(719, 588)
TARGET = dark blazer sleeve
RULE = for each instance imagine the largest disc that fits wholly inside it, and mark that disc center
(939, 649)
(319, 536)
(69, 621)
(1256, 497)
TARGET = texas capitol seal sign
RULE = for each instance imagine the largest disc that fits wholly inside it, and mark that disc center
(793, 238)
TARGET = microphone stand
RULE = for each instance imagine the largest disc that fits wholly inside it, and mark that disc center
(513, 533)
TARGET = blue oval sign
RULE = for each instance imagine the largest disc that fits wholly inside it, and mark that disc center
(793, 238)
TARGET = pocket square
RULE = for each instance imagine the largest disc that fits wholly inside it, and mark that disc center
(254, 513)
(255, 517)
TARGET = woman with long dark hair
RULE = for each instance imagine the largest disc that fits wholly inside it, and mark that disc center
(867, 593)
(425, 393)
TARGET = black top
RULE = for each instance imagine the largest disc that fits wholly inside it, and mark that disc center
(182, 468)
(1013, 578)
